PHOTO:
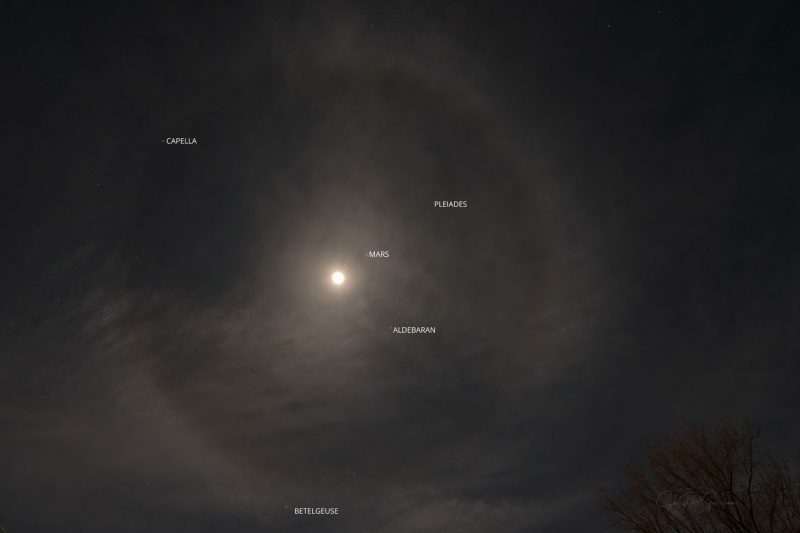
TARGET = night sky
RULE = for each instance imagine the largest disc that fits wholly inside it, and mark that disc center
(174, 357)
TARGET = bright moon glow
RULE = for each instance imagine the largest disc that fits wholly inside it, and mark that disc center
(337, 278)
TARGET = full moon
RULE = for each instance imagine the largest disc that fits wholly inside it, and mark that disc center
(337, 278)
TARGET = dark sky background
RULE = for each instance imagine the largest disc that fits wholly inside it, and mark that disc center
(174, 358)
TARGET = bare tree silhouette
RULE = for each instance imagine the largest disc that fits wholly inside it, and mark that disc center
(703, 480)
